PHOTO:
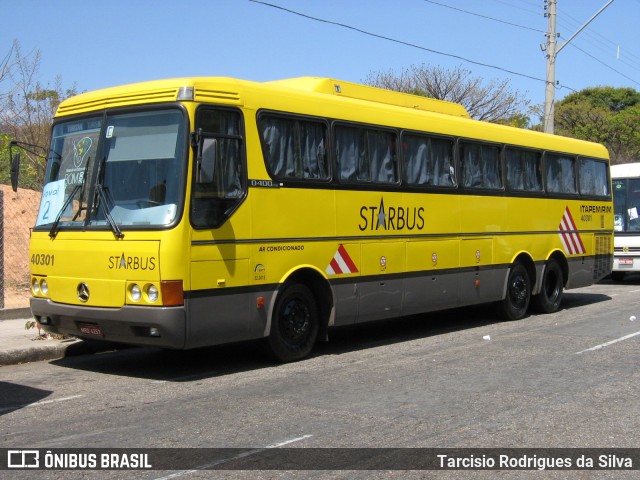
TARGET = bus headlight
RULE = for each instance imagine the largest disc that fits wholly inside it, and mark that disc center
(152, 293)
(135, 292)
(35, 286)
(44, 287)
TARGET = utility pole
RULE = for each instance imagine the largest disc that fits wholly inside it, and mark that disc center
(552, 50)
(550, 88)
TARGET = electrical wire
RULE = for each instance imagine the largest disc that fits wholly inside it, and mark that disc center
(485, 17)
(401, 42)
(467, 60)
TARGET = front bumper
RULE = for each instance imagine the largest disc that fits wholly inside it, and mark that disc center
(135, 325)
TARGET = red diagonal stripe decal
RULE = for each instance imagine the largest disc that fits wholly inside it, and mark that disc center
(347, 259)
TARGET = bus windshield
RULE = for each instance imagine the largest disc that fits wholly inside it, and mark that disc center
(115, 170)
(626, 201)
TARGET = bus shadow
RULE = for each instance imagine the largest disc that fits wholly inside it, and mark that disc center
(218, 361)
(630, 278)
(579, 299)
(388, 332)
(14, 396)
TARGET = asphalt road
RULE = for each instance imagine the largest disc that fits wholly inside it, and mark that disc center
(451, 379)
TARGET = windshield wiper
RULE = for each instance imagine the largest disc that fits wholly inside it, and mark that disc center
(106, 200)
(54, 228)
(107, 203)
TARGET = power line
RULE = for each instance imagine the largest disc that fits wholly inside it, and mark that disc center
(598, 40)
(602, 63)
(588, 34)
(401, 42)
(521, 8)
(485, 16)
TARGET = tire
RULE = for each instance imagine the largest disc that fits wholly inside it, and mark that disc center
(516, 301)
(294, 324)
(550, 296)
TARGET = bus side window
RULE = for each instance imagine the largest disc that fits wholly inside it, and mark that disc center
(218, 179)
(428, 161)
(524, 169)
(560, 174)
(294, 148)
(480, 166)
(593, 173)
(366, 155)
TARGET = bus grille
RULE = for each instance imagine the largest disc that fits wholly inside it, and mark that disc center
(604, 257)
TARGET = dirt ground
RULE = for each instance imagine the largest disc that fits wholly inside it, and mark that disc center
(19, 214)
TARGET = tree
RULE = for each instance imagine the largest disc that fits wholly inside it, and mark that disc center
(26, 110)
(606, 115)
(493, 101)
(5, 65)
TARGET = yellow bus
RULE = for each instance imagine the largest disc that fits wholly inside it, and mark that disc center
(198, 211)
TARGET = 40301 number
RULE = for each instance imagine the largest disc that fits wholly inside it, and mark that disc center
(42, 259)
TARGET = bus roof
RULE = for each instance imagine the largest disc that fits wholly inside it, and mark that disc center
(330, 86)
(625, 170)
(326, 97)
(228, 90)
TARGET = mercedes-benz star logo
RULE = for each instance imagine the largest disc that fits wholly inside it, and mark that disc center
(83, 292)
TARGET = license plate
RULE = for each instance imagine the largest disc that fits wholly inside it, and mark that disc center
(94, 330)
(625, 261)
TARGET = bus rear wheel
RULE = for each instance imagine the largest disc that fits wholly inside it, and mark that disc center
(294, 324)
(550, 296)
(515, 304)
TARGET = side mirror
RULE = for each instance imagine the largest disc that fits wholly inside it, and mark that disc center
(14, 168)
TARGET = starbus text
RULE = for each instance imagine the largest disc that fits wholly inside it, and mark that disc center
(391, 218)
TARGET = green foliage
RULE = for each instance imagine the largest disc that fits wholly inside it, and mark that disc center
(519, 120)
(608, 98)
(606, 115)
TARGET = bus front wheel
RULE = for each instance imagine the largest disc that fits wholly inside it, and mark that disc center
(515, 304)
(294, 324)
(550, 296)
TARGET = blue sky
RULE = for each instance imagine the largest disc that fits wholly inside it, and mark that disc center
(98, 44)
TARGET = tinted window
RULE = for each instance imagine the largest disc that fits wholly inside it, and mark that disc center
(428, 161)
(366, 155)
(560, 174)
(219, 183)
(294, 148)
(480, 166)
(524, 169)
(593, 177)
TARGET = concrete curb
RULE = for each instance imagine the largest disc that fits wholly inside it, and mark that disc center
(45, 350)
(38, 353)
